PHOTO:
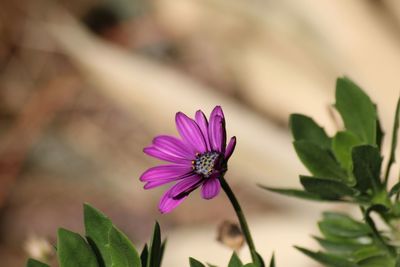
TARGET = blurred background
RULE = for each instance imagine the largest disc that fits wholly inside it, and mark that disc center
(85, 85)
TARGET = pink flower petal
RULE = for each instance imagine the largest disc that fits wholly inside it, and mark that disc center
(173, 146)
(165, 172)
(185, 186)
(230, 148)
(217, 133)
(190, 132)
(156, 153)
(167, 203)
(202, 122)
(210, 188)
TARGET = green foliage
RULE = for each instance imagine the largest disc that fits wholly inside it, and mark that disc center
(105, 246)
(74, 251)
(348, 168)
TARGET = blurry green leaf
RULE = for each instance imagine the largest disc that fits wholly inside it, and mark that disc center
(328, 259)
(327, 189)
(367, 252)
(144, 256)
(73, 251)
(357, 110)
(342, 144)
(272, 262)
(343, 246)
(163, 245)
(122, 251)
(395, 189)
(381, 261)
(250, 265)
(305, 128)
(195, 263)
(318, 161)
(341, 225)
(35, 263)
(366, 167)
(379, 133)
(294, 193)
(155, 247)
(211, 265)
(98, 227)
(235, 261)
(392, 157)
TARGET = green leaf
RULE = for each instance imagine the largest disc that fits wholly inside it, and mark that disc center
(35, 263)
(318, 161)
(377, 261)
(343, 246)
(327, 259)
(366, 167)
(195, 263)
(341, 225)
(235, 261)
(367, 252)
(342, 144)
(98, 227)
(144, 256)
(327, 189)
(272, 262)
(163, 245)
(379, 133)
(392, 157)
(357, 110)
(122, 252)
(395, 189)
(155, 247)
(211, 265)
(294, 193)
(73, 251)
(305, 128)
(250, 265)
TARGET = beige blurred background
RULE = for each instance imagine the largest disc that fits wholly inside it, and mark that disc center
(85, 85)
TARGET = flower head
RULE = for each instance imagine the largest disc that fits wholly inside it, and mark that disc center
(198, 158)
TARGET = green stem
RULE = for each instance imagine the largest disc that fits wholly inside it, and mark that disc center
(242, 220)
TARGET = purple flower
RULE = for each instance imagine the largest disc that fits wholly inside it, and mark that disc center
(198, 159)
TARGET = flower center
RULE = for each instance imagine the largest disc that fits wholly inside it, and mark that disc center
(205, 163)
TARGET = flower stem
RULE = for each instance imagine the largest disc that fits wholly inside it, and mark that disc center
(242, 220)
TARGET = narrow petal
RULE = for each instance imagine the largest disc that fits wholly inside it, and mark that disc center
(167, 203)
(217, 111)
(217, 133)
(185, 186)
(230, 148)
(190, 132)
(210, 188)
(173, 146)
(157, 183)
(165, 172)
(201, 120)
(156, 153)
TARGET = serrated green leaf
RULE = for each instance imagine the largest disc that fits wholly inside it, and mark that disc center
(195, 263)
(305, 128)
(155, 247)
(122, 252)
(98, 227)
(327, 259)
(73, 251)
(357, 110)
(318, 161)
(35, 263)
(326, 189)
(294, 193)
(235, 261)
(144, 255)
(366, 167)
(342, 144)
(341, 225)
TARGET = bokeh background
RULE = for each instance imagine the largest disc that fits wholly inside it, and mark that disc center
(85, 85)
